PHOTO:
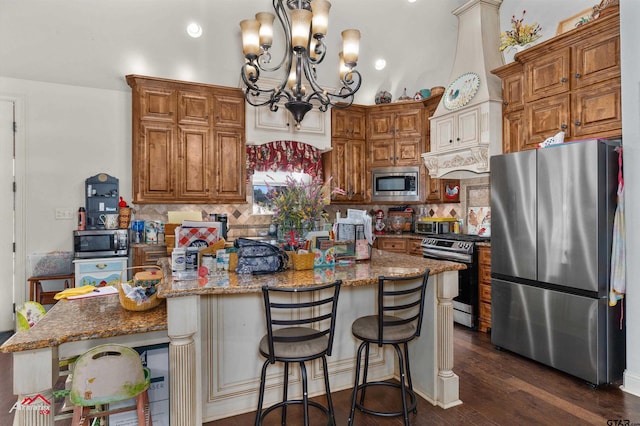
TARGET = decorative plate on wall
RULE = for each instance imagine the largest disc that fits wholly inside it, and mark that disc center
(461, 91)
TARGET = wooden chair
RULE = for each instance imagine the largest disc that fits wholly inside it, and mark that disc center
(397, 322)
(105, 375)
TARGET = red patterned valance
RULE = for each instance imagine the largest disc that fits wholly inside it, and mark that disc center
(284, 156)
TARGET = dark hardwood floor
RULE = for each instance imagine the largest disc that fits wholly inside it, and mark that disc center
(496, 387)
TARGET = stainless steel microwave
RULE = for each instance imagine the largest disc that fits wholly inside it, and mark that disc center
(100, 243)
(395, 184)
(434, 227)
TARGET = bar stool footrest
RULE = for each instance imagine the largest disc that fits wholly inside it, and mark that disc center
(315, 404)
(410, 408)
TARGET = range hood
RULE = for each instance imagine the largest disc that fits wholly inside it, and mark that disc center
(466, 128)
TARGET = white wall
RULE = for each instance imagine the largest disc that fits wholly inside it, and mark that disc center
(630, 33)
(69, 134)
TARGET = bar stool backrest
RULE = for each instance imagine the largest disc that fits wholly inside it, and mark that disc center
(401, 302)
(309, 307)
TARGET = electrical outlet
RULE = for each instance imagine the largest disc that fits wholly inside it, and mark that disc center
(64, 214)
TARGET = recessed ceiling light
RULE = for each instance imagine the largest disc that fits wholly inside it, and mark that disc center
(380, 64)
(194, 30)
(412, 1)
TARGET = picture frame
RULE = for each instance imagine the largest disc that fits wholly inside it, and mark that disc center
(575, 21)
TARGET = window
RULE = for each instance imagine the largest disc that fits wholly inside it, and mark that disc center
(263, 182)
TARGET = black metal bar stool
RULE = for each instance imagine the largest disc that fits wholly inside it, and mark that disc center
(397, 322)
(299, 336)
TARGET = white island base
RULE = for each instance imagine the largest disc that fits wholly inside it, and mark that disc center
(215, 364)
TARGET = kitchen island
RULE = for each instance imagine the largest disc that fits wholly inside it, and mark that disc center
(214, 325)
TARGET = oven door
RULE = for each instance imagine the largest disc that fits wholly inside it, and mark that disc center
(465, 305)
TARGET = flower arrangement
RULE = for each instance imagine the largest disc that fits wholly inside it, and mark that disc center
(299, 204)
(520, 34)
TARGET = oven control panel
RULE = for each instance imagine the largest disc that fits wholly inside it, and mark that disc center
(458, 246)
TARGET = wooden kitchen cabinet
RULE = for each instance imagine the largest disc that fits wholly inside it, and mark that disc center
(188, 142)
(456, 131)
(346, 163)
(403, 245)
(148, 254)
(571, 83)
(484, 288)
(443, 191)
(414, 248)
(348, 123)
(397, 245)
(395, 134)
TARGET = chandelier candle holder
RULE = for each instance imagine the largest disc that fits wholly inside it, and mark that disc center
(304, 23)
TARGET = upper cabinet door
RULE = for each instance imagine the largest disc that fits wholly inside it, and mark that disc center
(596, 59)
(381, 125)
(230, 171)
(228, 111)
(194, 108)
(154, 156)
(348, 123)
(157, 104)
(547, 75)
(408, 123)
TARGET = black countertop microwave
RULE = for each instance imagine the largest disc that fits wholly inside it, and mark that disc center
(100, 243)
(395, 184)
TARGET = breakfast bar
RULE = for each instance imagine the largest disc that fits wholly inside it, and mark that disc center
(213, 326)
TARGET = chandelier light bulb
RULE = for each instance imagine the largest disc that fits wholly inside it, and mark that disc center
(350, 46)
(250, 38)
(266, 28)
(300, 24)
(320, 21)
(304, 26)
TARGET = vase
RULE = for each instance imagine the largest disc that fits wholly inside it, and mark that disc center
(293, 232)
(520, 47)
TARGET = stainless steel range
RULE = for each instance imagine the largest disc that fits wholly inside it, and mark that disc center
(459, 248)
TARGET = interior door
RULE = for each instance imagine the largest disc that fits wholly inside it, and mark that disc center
(6, 214)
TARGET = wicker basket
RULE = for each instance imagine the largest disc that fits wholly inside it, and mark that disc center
(302, 261)
(143, 279)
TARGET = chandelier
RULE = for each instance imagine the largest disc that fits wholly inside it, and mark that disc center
(305, 28)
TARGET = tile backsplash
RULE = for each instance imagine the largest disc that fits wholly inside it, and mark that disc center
(242, 221)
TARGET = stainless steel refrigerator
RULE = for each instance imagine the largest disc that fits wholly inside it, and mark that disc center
(551, 243)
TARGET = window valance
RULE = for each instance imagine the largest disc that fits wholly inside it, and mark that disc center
(285, 156)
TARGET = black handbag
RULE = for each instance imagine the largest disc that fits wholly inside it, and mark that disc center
(257, 257)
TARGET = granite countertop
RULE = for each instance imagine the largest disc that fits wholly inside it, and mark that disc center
(361, 273)
(88, 318)
(103, 316)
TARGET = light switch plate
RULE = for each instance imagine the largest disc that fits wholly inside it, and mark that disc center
(64, 214)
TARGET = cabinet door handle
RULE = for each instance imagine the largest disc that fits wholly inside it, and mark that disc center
(563, 127)
(458, 139)
(578, 123)
(101, 265)
(505, 103)
(578, 75)
(563, 80)
(450, 140)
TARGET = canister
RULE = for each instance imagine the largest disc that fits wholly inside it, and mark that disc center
(209, 262)
(178, 259)
(222, 218)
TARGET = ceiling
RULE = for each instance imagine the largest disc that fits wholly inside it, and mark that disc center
(95, 43)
